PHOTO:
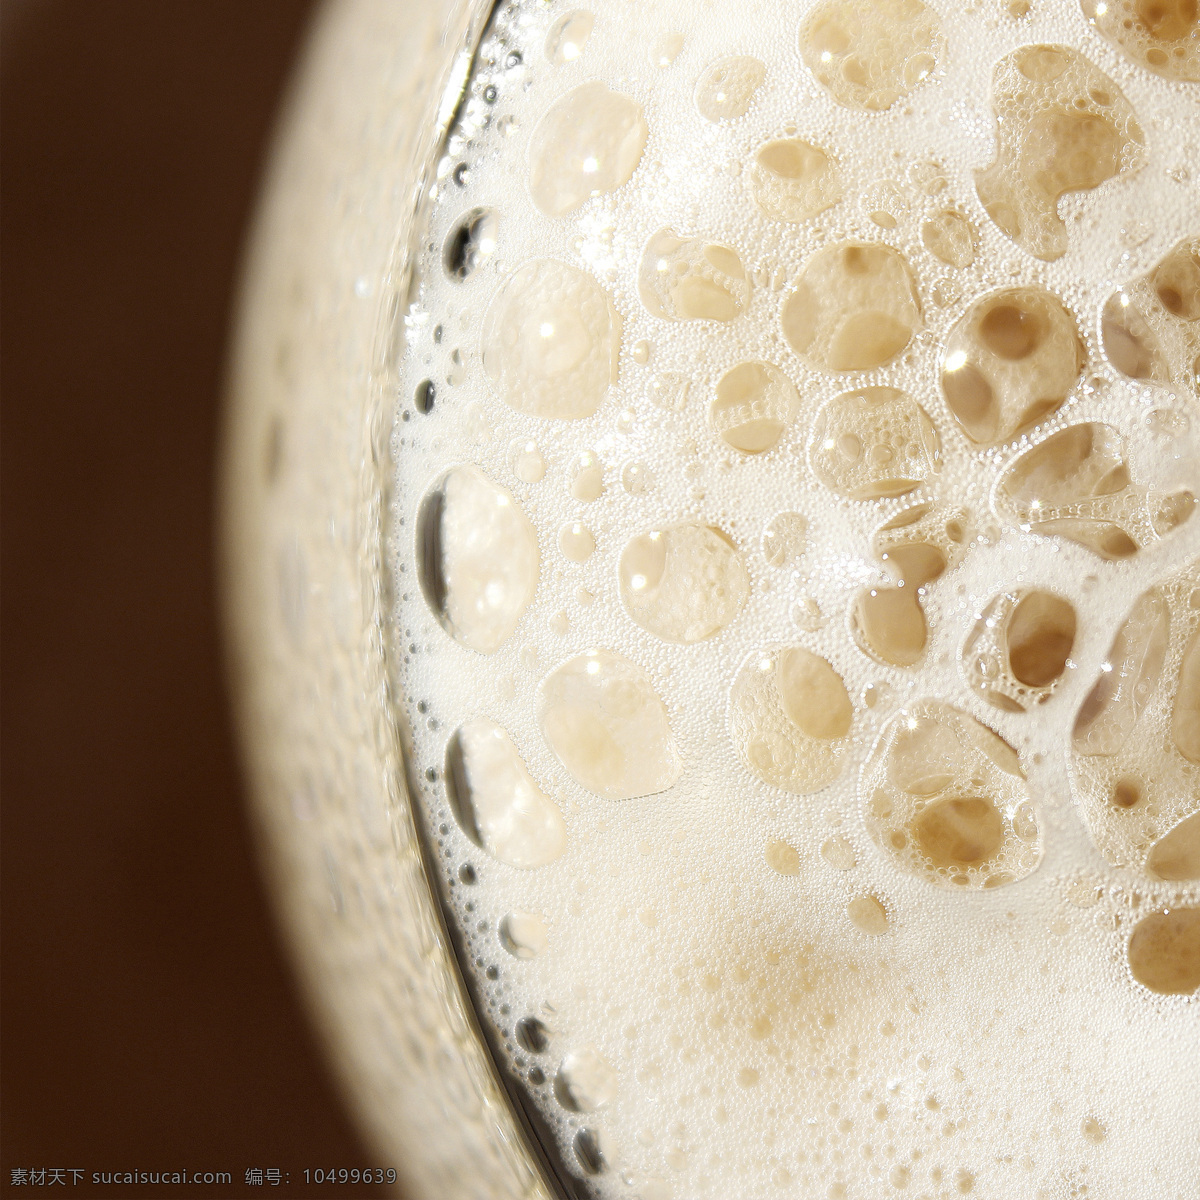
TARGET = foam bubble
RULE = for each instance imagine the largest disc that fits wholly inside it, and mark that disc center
(602, 718)
(588, 143)
(689, 279)
(1010, 362)
(550, 341)
(950, 237)
(1137, 782)
(524, 935)
(1150, 328)
(873, 443)
(568, 35)
(478, 558)
(1062, 126)
(1076, 484)
(870, 53)
(793, 180)
(754, 404)
(496, 801)
(1017, 653)
(789, 717)
(1161, 35)
(918, 546)
(586, 1081)
(948, 800)
(853, 308)
(684, 583)
(726, 87)
(868, 915)
(1164, 951)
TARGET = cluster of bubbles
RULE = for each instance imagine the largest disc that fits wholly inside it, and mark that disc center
(887, 433)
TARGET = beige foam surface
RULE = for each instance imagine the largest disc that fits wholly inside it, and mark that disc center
(846, 909)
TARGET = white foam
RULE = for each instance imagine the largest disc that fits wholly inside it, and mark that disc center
(788, 1003)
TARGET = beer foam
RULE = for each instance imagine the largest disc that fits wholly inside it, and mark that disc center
(797, 619)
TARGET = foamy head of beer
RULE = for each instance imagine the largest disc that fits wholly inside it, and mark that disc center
(798, 595)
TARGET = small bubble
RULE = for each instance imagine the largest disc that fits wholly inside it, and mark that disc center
(806, 614)
(838, 853)
(782, 858)
(784, 539)
(726, 87)
(868, 915)
(587, 477)
(470, 243)
(528, 463)
(567, 36)
(666, 49)
(576, 542)
(524, 935)
(636, 478)
(669, 391)
(586, 1081)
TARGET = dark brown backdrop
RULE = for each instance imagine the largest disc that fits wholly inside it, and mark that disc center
(149, 1019)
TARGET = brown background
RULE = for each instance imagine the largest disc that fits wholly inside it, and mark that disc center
(149, 1018)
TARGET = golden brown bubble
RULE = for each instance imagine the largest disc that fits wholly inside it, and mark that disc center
(1010, 362)
(789, 718)
(949, 801)
(870, 53)
(853, 308)
(1164, 951)
(1161, 35)
(1061, 126)
(1017, 651)
(1076, 485)
(1150, 328)
(792, 180)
